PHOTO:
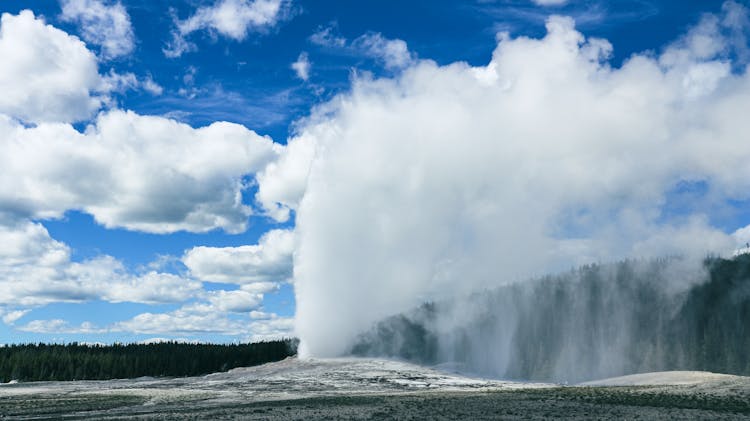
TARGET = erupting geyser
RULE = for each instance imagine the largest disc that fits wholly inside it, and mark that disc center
(447, 180)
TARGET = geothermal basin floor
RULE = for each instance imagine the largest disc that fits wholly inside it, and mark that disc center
(351, 388)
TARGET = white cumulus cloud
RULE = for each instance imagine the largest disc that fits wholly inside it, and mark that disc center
(184, 321)
(237, 301)
(230, 18)
(272, 328)
(35, 270)
(104, 24)
(45, 74)
(394, 53)
(282, 182)
(268, 261)
(221, 312)
(58, 326)
(138, 172)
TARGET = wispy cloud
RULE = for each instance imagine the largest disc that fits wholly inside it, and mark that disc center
(302, 66)
(550, 2)
(512, 15)
(392, 53)
(259, 108)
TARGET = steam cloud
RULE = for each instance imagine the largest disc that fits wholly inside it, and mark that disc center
(448, 179)
(597, 321)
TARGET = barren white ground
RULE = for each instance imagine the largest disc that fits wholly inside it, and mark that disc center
(288, 379)
(301, 378)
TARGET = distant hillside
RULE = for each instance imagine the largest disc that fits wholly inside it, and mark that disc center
(595, 322)
(34, 362)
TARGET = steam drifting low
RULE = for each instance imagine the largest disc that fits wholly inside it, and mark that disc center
(448, 179)
(595, 322)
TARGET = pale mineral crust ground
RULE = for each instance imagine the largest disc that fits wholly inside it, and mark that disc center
(377, 389)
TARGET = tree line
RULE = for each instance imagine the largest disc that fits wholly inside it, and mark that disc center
(74, 361)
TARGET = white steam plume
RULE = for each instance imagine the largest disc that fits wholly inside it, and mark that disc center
(446, 179)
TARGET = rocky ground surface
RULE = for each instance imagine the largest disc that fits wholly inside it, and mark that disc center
(377, 389)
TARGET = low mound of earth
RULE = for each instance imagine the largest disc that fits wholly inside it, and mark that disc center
(311, 377)
(350, 388)
(666, 378)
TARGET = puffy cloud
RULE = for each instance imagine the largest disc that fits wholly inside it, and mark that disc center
(222, 312)
(282, 182)
(57, 326)
(233, 313)
(260, 315)
(50, 76)
(45, 74)
(244, 300)
(105, 25)
(138, 172)
(230, 18)
(268, 261)
(234, 18)
(184, 321)
(451, 178)
(302, 66)
(742, 236)
(32, 268)
(260, 287)
(36, 270)
(272, 328)
(238, 301)
(392, 52)
(190, 321)
(151, 288)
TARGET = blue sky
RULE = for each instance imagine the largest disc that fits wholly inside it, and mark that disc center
(137, 246)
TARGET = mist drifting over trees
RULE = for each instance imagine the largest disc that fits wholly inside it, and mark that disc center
(593, 322)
